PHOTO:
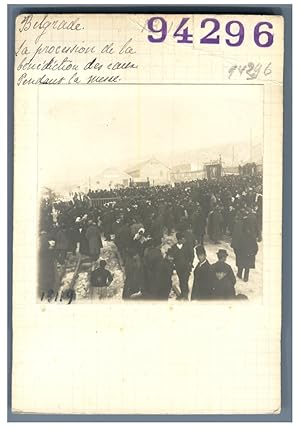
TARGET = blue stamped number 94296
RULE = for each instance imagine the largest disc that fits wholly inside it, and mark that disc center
(234, 30)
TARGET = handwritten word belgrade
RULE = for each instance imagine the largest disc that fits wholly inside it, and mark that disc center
(42, 24)
(211, 32)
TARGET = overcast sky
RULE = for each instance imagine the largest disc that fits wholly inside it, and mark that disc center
(86, 129)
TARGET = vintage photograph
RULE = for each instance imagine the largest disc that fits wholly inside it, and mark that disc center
(150, 193)
(148, 180)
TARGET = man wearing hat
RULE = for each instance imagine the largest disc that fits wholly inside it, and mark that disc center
(183, 259)
(152, 264)
(223, 278)
(203, 282)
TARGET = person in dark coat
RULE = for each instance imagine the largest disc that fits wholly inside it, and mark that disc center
(83, 242)
(237, 235)
(152, 266)
(47, 267)
(93, 236)
(231, 218)
(73, 236)
(157, 227)
(198, 225)
(203, 282)
(251, 223)
(61, 244)
(117, 226)
(183, 260)
(134, 275)
(101, 277)
(139, 242)
(245, 255)
(189, 240)
(214, 225)
(223, 278)
(169, 220)
(165, 269)
(123, 240)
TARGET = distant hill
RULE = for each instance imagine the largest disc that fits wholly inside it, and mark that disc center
(231, 155)
(240, 154)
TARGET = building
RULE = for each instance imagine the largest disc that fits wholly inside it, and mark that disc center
(152, 170)
(186, 172)
(251, 169)
(230, 170)
(111, 177)
(213, 170)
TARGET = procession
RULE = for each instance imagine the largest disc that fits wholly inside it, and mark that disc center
(153, 242)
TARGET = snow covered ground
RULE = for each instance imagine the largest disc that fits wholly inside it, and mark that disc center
(253, 289)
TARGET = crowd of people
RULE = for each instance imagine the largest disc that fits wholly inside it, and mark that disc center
(194, 213)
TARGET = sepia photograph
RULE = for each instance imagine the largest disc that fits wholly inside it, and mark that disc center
(147, 180)
(150, 193)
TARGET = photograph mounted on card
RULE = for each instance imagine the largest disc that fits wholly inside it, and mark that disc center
(148, 187)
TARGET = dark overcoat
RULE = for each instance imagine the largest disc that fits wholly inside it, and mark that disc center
(164, 279)
(245, 254)
(62, 242)
(251, 225)
(84, 244)
(152, 265)
(214, 225)
(47, 267)
(203, 285)
(134, 276)
(183, 258)
(237, 234)
(93, 236)
(223, 286)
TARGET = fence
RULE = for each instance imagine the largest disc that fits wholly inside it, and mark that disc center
(99, 202)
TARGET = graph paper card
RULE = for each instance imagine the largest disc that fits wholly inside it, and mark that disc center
(147, 214)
